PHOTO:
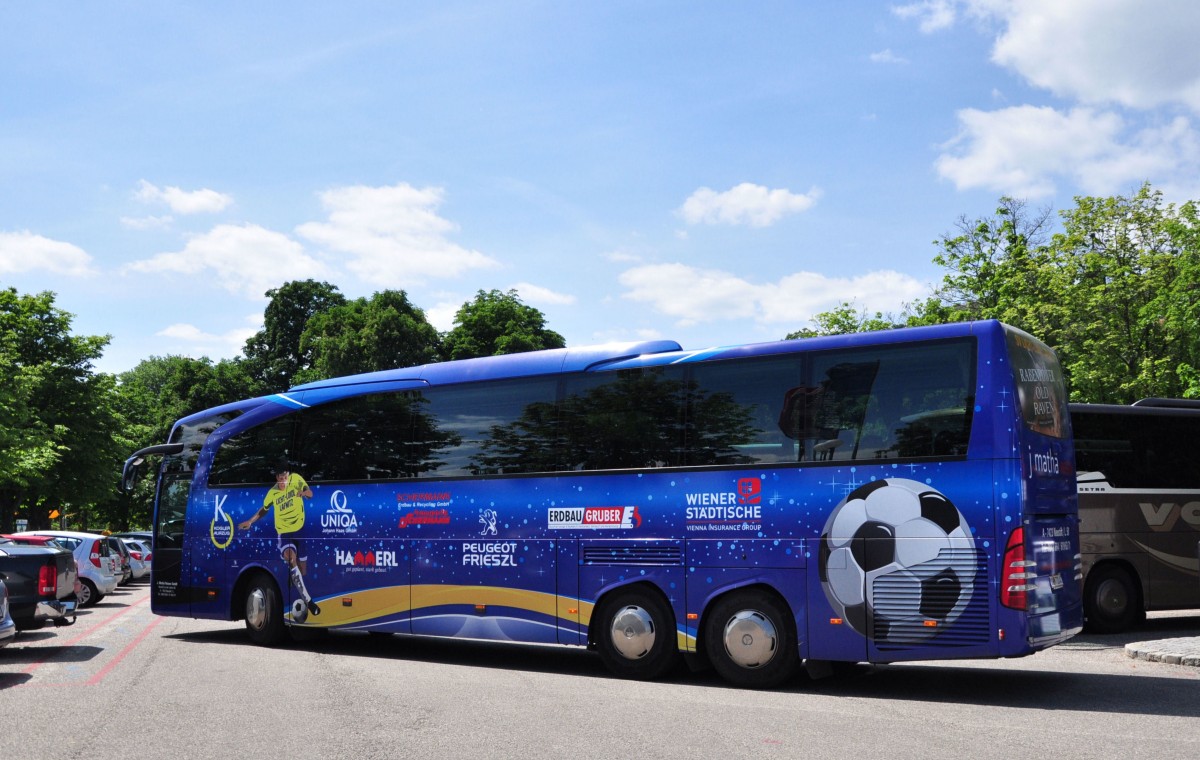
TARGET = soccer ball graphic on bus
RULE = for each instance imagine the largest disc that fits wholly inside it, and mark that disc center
(299, 611)
(899, 554)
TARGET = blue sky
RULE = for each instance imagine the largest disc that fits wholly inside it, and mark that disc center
(709, 172)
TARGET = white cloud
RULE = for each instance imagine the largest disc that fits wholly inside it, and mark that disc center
(887, 56)
(748, 204)
(1131, 52)
(1024, 150)
(245, 259)
(192, 341)
(26, 252)
(442, 314)
(1128, 52)
(203, 201)
(536, 294)
(392, 236)
(932, 15)
(693, 295)
(146, 222)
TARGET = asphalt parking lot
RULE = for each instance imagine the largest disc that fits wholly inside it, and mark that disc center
(122, 677)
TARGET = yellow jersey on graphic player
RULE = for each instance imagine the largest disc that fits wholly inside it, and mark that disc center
(288, 504)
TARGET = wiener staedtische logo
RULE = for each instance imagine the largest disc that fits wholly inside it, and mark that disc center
(726, 510)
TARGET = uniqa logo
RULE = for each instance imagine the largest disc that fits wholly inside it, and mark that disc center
(339, 518)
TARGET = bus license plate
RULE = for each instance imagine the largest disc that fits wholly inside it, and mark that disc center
(1056, 582)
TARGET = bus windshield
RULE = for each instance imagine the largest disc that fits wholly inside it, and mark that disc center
(1041, 394)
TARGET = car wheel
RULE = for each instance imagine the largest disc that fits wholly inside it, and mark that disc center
(1111, 600)
(88, 593)
(636, 635)
(264, 611)
(750, 639)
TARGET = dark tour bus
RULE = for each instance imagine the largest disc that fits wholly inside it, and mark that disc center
(1139, 508)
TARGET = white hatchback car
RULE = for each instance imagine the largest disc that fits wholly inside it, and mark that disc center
(139, 558)
(99, 567)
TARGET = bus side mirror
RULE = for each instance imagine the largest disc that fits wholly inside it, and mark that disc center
(136, 464)
(131, 474)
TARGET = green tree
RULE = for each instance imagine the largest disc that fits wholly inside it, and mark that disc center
(367, 335)
(273, 355)
(498, 323)
(58, 418)
(1116, 292)
(845, 319)
(997, 268)
(1132, 271)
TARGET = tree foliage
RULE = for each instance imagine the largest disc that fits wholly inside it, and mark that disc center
(844, 319)
(366, 335)
(59, 427)
(498, 323)
(274, 355)
(1114, 292)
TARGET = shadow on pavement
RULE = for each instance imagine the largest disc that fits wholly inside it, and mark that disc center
(938, 684)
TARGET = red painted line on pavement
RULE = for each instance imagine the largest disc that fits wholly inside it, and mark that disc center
(83, 635)
(121, 655)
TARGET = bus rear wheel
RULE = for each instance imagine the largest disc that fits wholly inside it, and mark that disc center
(264, 612)
(750, 639)
(1111, 602)
(636, 635)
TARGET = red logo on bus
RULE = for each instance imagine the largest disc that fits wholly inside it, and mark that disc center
(749, 491)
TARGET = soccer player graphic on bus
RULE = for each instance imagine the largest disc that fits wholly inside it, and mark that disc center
(287, 497)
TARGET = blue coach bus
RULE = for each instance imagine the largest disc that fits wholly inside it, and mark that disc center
(878, 497)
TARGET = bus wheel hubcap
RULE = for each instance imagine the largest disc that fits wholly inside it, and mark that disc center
(1112, 598)
(256, 609)
(633, 632)
(750, 639)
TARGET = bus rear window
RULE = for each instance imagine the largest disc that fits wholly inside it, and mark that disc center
(1041, 395)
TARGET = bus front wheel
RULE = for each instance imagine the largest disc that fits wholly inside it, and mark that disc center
(264, 612)
(1111, 601)
(636, 636)
(750, 639)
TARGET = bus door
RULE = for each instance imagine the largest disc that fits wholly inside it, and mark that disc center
(567, 565)
(169, 589)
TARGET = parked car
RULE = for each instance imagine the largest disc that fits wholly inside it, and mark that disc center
(119, 548)
(48, 541)
(98, 566)
(8, 628)
(145, 536)
(139, 558)
(40, 583)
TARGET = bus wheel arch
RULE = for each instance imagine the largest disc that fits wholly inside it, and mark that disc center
(633, 629)
(259, 600)
(749, 636)
(1112, 598)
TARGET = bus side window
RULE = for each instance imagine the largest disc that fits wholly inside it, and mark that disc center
(490, 428)
(891, 403)
(249, 457)
(623, 419)
(743, 412)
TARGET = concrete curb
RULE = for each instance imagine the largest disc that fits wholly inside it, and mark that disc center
(1171, 651)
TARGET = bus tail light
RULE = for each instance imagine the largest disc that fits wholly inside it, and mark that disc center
(48, 580)
(95, 555)
(1014, 586)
